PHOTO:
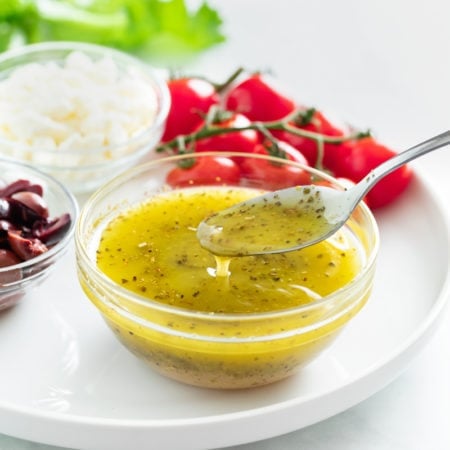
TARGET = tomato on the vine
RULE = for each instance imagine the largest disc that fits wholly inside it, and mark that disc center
(256, 98)
(281, 150)
(205, 170)
(274, 174)
(315, 121)
(191, 99)
(259, 118)
(358, 157)
(238, 141)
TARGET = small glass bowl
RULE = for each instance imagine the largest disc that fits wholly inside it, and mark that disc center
(19, 279)
(82, 170)
(215, 349)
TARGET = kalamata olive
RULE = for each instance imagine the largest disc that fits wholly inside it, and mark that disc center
(26, 230)
(25, 248)
(21, 215)
(8, 258)
(5, 225)
(4, 208)
(33, 201)
(19, 186)
(51, 231)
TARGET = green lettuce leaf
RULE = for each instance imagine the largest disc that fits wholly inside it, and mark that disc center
(150, 28)
(18, 20)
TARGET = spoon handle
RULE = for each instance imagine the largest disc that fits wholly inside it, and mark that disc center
(399, 160)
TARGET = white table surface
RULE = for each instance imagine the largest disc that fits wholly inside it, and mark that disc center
(385, 64)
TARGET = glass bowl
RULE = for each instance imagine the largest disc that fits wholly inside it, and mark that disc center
(19, 279)
(79, 112)
(214, 347)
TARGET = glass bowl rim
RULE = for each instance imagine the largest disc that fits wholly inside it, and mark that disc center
(157, 80)
(139, 300)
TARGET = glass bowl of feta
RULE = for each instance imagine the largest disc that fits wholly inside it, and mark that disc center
(79, 112)
(204, 320)
(37, 221)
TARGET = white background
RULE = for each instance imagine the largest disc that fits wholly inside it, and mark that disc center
(386, 66)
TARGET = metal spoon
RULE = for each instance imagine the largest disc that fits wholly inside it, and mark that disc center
(293, 218)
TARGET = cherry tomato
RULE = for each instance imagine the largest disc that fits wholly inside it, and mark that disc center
(191, 99)
(258, 100)
(315, 121)
(207, 170)
(357, 158)
(240, 141)
(273, 175)
(282, 150)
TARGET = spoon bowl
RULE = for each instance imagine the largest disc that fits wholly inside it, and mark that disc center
(276, 221)
(293, 218)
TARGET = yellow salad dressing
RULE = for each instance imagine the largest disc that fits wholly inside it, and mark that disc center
(152, 250)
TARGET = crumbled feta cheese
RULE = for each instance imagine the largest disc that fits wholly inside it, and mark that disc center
(81, 105)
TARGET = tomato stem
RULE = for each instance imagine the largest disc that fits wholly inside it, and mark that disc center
(220, 87)
(266, 132)
(209, 130)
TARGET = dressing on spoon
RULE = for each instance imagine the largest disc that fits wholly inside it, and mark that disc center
(293, 218)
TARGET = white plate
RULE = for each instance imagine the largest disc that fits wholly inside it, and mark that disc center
(65, 380)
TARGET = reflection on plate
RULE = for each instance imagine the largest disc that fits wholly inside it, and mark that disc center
(66, 381)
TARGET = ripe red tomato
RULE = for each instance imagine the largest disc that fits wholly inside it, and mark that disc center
(258, 100)
(315, 121)
(207, 170)
(357, 158)
(273, 175)
(191, 99)
(239, 141)
(280, 149)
